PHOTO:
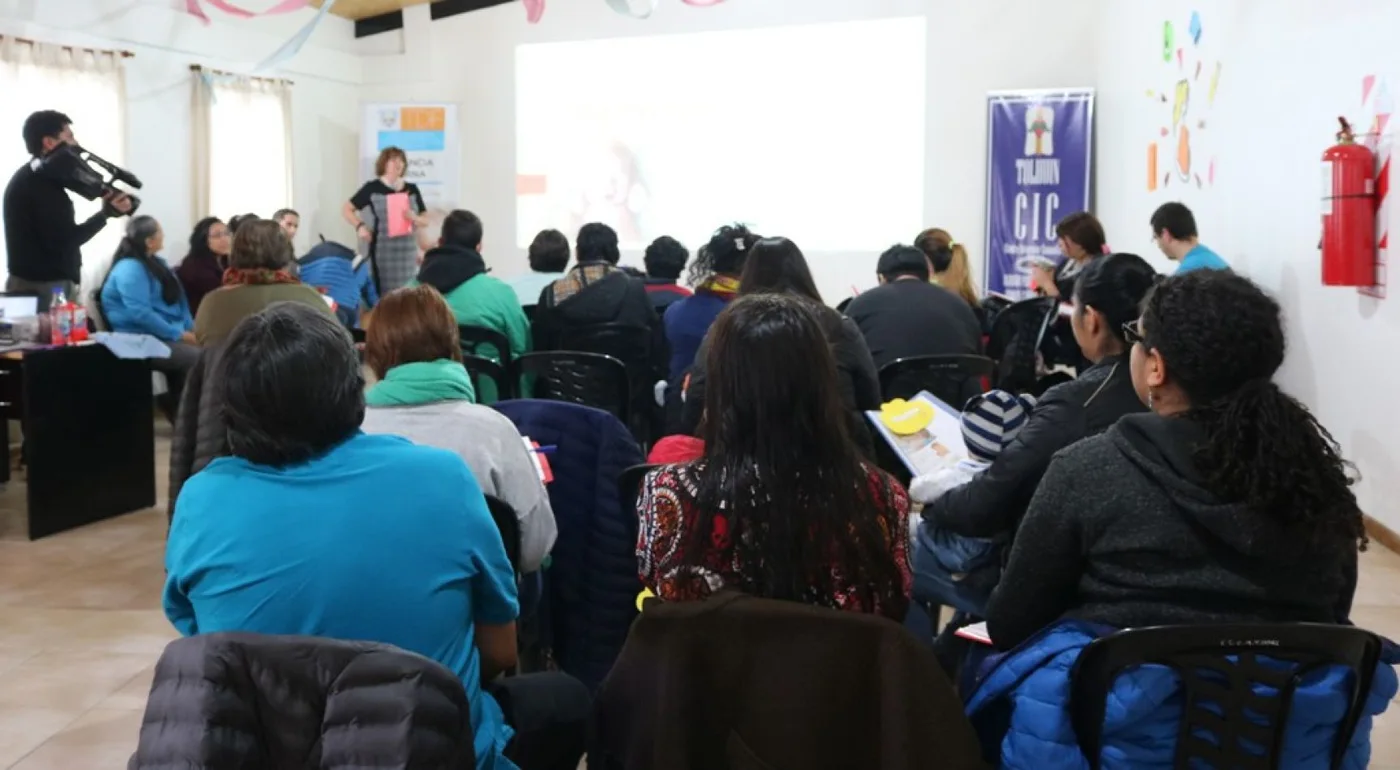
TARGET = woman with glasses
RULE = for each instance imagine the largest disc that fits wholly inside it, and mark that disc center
(1107, 295)
(202, 269)
(1228, 502)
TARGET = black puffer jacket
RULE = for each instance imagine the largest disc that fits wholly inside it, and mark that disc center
(994, 502)
(240, 701)
(199, 432)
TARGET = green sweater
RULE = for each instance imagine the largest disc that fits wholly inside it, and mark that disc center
(489, 302)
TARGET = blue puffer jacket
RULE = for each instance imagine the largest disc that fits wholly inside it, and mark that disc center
(1022, 702)
(591, 584)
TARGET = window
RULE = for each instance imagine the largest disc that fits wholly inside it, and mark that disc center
(247, 152)
(87, 86)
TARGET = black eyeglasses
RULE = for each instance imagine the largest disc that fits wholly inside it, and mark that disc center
(1132, 332)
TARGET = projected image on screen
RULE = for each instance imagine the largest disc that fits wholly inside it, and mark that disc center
(813, 132)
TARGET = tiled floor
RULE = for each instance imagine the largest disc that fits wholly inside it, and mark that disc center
(81, 629)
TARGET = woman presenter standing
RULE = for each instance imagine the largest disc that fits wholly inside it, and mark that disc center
(384, 212)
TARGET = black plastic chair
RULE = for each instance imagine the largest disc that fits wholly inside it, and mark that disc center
(629, 485)
(473, 337)
(631, 345)
(588, 379)
(482, 368)
(1218, 666)
(509, 525)
(952, 378)
(843, 304)
(1015, 338)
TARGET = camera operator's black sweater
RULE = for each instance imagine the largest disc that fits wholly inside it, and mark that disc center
(41, 239)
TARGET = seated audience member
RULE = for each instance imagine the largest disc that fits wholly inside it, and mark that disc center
(1174, 231)
(1227, 503)
(596, 291)
(399, 546)
(781, 505)
(715, 276)
(1081, 240)
(257, 276)
(456, 269)
(140, 295)
(549, 258)
(665, 258)
(990, 422)
(950, 264)
(330, 268)
(425, 395)
(777, 266)
(991, 504)
(907, 316)
(239, 220)
(290, 221)
(202, 269)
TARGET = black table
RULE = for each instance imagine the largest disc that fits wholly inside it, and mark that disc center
(89, 434)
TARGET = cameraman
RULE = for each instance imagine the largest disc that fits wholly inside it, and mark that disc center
(42, 240)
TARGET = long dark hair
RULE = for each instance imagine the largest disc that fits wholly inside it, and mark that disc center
(780, 464)
(776, 266)
(1222, 339)
(724, 254)
(133, 246)
(199, 241)
(1116, 286)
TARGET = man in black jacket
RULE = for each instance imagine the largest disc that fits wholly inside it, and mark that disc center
(907, 316)
(42, 241)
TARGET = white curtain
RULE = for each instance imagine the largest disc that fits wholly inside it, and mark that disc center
(87, 86)
(242, 145)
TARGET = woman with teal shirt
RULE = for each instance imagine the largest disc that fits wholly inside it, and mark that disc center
(141, 295)
(311, 527)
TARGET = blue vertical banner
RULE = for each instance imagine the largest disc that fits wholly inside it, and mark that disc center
(1039, 155)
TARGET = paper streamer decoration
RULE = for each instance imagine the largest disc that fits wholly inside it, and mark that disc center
(290, 48)
(534, 10)
(193, 8)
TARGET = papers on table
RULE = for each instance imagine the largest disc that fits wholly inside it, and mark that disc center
(937, 446)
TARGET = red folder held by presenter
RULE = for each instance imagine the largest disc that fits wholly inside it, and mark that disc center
(400, 214)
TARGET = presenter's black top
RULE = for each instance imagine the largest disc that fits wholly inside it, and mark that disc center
(42, 240)
(365, 195)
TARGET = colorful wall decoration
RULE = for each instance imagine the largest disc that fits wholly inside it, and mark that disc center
(1181, 151)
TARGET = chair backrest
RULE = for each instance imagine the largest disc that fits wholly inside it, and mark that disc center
(843, 304)
(588, 379)
(629, 484)
(1220, 669)
(509, 524)
(1015, 338)
(627, 343)
(952, 378)
(474, 337)
(482, 368)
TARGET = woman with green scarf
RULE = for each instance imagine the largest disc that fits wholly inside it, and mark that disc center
(425, 395)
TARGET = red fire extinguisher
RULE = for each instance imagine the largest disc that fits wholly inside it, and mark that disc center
(1348, 212)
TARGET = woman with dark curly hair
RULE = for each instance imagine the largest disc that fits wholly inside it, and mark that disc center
(1228, 502)
(780, 504)
(715, 275)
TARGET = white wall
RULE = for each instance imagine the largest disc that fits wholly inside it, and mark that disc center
(972, 48)
(1289, 68)
(325, 106)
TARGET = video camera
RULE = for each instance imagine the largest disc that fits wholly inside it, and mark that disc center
(83, 172)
